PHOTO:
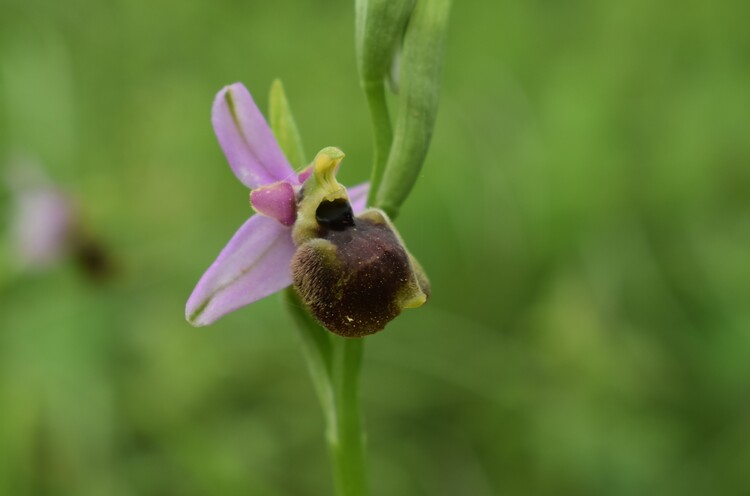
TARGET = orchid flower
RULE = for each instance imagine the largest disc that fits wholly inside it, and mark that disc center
(44, 218)
(42, 226)
(256, 261)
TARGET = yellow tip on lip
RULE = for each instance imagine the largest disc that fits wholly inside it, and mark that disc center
(327, 160)
(416, 301)
(325, 167)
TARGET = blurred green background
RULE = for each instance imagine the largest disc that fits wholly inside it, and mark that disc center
(584, 216)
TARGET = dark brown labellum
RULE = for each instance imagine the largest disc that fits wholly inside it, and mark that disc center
(356, 278)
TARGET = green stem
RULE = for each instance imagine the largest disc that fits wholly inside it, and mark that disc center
(346, 436)
(382, 133)
(334, 365)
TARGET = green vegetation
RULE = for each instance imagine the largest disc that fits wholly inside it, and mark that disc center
(583, 215)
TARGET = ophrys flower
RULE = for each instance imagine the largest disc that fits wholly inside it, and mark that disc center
(352, 271)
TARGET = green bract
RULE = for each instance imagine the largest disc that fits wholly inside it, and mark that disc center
(284, 126)
(419, 85)
(380, 25)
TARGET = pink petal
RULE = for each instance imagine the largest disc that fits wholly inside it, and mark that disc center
(247, 141)
(305, 173)
(277, 201)
(253, 265)
(358, 196)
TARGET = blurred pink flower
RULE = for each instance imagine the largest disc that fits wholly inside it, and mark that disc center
(43, 219)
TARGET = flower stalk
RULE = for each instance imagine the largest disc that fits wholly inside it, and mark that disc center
(346, 437)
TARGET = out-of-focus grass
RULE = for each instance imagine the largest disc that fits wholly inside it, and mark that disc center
(584, 216)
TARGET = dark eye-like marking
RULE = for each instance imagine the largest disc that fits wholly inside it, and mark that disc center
(336, 214)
